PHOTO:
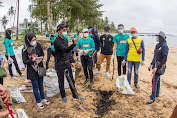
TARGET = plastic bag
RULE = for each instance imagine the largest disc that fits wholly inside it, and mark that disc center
(18, 55)
(51, 83)
(21, 114)
(16, 95)
(123, 85)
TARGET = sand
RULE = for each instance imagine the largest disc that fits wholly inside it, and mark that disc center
(103, 99)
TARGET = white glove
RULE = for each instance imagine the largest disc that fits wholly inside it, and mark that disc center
(81, 52)
(123, 63)
(85, 51)
(113, 57)
(142, 63)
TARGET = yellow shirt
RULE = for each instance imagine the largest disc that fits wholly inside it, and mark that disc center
(132, 54)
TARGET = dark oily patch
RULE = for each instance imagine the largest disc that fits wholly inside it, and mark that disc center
(104, 103)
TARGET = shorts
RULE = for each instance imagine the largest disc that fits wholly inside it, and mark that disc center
(102, 57)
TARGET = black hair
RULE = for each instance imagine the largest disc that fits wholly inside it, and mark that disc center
(120, 25)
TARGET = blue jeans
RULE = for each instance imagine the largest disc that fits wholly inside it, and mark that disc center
(38, 85)
(155, 87)
(136, 68)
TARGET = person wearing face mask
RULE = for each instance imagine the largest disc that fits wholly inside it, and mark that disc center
(120, 41)
(96, 39)
(50, 50)
(106, 42)
(9, 53)
(86, 46)
(63, 61)
(135, 55)
(158, 62)
(32, 55)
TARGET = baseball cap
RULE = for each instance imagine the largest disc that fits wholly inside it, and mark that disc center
(133, 29)
(61, 26)
(107, 28)
(162, 34)
(85, 30)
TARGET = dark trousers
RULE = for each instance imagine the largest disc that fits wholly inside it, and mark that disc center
(87, 64)
(94, 57)
(49, 53)
(60, 72)
(38, 89)
(155, 86)
(1, 81)
(119, 61)
(16, 66)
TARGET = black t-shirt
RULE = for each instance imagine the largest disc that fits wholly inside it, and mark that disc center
(106, 44)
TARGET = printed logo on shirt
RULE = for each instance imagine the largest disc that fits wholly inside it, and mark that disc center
(86, 45)
(160, 48)
(110, 39)
(103, 39)
(123, 41)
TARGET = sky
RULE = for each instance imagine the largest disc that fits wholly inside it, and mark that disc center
(149, 16)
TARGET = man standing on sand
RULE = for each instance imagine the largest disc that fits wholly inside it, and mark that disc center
(106, 51)
(62, 59)
(120, 42)
(134, 50)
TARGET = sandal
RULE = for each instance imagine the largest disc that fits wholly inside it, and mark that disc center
(137, 86)
(44, 101)
(40, 105)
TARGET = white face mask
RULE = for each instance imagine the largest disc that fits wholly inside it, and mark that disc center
(121, 31)
(106, 33)
(85, 35)
(157, 39)
(33, 43)
(134, 35)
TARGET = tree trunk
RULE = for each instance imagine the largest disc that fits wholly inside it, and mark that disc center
(17, 20)
(49, 16)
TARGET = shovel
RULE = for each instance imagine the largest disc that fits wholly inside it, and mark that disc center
(82, 105)
(113, 70)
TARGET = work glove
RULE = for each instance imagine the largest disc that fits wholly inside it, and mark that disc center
(81, 52)
(123, 63)
(85, 52)
(113, 57)
(142, 63)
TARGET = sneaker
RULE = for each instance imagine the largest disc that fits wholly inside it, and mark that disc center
(44, 101)
(86, 81)
(137, 86)
(91, 83)
(14, 78)
(97, 73)
(40, 105)
(64, 99)
(80, 98)
(22, 75)
(151, 101)
(107, 74)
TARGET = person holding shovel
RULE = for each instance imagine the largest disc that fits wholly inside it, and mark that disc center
(63, 61)
(86, 46)
(158, 65)
(135, 55)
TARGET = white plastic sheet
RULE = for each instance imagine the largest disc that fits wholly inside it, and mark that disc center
(21, 114)
(123, 85)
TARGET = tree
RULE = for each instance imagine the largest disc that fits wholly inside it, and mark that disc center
(26, 22)
(112, 26)
(11, 13)
(4, 22)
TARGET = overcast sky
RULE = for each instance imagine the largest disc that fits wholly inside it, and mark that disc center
(145, 15)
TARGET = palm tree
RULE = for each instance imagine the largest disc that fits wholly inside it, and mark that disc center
(4, 22)
(26, 22)
(11, 12)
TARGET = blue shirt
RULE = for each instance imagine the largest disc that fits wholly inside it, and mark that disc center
(162, 51)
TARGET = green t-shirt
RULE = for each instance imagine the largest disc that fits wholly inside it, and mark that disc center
(121, 41)
(52, 48)
(85, 44)
(75, 36)
(9, 47)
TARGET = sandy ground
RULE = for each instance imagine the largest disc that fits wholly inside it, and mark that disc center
(103, 99)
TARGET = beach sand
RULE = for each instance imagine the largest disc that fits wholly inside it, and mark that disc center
(104, 100)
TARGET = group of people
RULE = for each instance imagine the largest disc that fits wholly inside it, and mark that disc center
(87, 44)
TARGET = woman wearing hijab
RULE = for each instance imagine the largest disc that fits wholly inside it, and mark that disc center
(158, 65)
(33, 57)
(9, 53)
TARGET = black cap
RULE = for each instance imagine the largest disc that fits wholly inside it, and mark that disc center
(61, 26)
(107, 28)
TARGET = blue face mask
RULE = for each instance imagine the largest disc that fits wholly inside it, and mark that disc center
(64, 34)
(134, 35)
(121, 31)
